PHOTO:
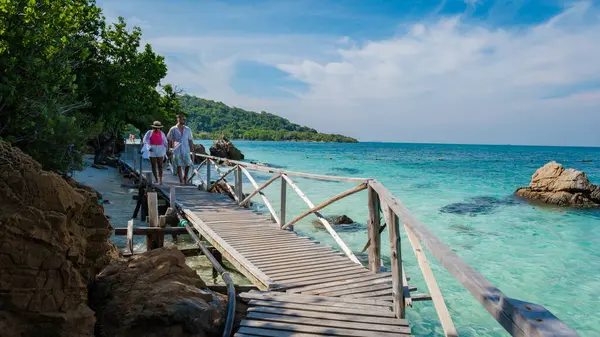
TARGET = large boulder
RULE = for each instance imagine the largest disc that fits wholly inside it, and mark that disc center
(53, 241)
(224, 148)
(155, 294)
(553, 184)
(199, 148)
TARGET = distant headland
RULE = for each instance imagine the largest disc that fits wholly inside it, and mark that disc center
(210, 120)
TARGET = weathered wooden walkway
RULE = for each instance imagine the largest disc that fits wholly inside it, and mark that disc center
(322, 292)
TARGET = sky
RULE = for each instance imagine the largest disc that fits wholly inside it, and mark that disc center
(444, 71)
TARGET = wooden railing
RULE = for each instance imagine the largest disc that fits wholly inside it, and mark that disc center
(519, 318)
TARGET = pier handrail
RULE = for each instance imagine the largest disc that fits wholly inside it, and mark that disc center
(519, 318)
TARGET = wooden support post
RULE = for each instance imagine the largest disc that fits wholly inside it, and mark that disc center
(373, 228)
(173, 208)
(130, 235)
(398, 277)
(207, 176)
(239, 191)
(141, 160)
(162, 222)
(283, 203)
(151, 240)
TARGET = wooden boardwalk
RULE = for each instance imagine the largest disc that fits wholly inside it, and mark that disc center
(309, 289)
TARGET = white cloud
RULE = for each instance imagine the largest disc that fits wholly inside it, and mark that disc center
(442, 81)
(449, 81)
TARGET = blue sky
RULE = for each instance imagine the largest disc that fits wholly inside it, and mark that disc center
(454, 71)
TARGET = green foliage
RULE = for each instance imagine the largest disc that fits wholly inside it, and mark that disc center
(210, 119)
(67, 78)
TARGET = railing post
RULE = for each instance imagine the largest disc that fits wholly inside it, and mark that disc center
(152, 239)
(393, 226)
(141, 159)
(374, 224)
(238, 184)
(208, 175)
(283, 203)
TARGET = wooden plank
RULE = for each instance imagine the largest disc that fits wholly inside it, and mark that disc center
(305, 256)
(316, 329)
(307, 276)
(247, 331)
(340, 283)
(339, 317)
(254, 274)
(280, 245)
(266, 169)
(330, 264)
(324, 268)
(239, 185)
(299, 262)
(396, 261)
(321, 308)
(325, 223)
(326, 203)
(130, 235)
(283, 201)
(270, 251)
(521, 319)
(406, 291)
(367, 287)
(287, 285)
(434, 290)
(263, 196)
(347, 288)
(276, 295)
(149, 230)
(374, 224)
(208, 183)
(384, 292)
(258, 190)
(261, 316)
(337, 302)
(249, 247)
(151, 239)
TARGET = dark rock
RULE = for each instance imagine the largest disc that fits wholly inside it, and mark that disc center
(155, 294)
(54, 240)
(478, 205)
(224, 148)
(199, 148)
(553, 184)
(334, 220)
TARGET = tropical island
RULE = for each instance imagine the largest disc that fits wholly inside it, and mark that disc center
(209, 120)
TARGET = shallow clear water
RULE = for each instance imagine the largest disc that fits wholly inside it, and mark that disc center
(544, 255)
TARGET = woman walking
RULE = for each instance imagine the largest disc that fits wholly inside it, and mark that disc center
(156, 142)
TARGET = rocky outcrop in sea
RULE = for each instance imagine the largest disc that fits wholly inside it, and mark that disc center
(224, 148)
(553, 184)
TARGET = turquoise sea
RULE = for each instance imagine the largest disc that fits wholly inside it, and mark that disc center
(463, 193)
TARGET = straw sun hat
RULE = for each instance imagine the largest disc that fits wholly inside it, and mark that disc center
(157, 125)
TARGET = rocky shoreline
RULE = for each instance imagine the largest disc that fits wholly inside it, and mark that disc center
(61, 276)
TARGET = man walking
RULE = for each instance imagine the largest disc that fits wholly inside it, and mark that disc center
(181, 143)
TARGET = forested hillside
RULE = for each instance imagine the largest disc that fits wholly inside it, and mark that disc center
(209, 119)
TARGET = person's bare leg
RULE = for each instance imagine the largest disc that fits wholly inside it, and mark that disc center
(159, 161)
(179, 174)
(187, 170)
(153, 161)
